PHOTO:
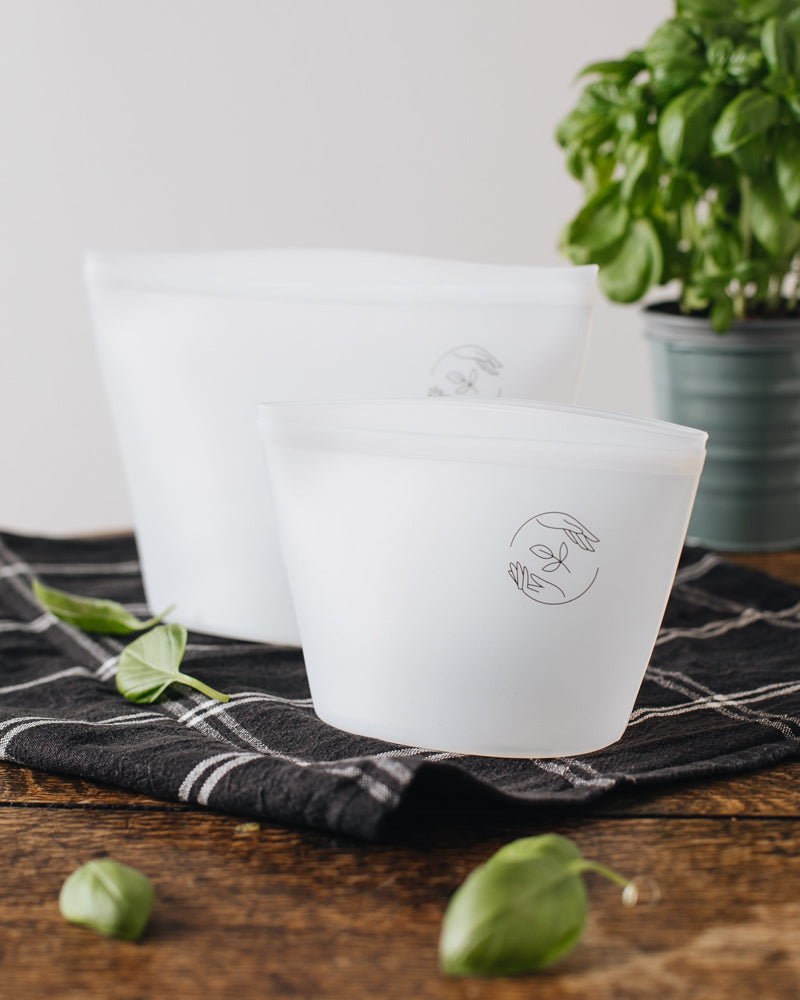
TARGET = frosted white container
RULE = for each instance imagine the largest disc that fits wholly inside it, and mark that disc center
(482, 577)
(189, 344)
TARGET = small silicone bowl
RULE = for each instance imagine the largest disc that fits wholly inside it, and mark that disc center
(478, 577)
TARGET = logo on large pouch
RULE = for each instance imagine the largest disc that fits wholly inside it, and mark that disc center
(554, 558)
(466, 370)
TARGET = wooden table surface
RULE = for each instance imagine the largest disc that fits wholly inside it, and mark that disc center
(246, 910)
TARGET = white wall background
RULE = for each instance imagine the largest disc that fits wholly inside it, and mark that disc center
(416, 126)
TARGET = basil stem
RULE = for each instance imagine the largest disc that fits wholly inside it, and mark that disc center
(92, 614)
(109, 898)
(151, 663)
(521, 910)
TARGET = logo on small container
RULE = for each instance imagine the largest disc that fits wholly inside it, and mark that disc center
(555, 561)
(466, 370)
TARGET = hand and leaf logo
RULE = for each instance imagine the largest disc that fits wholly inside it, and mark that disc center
(555, 558)
(466, 370)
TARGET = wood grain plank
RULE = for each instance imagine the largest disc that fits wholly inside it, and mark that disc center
(23, 785)
(767, 792)
(282, 913)
(784, 565)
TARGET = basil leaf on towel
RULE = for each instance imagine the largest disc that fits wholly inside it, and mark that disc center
(151, 663)
(92, 614)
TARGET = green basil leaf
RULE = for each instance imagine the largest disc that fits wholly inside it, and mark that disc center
(791, 16)
(637, 265)
(745, 63)
(519, 911)
(752, 270)
(670, 39)
(576, 161)
(684, 124)
(793, 100)
(693, 299)
(600, 223)
(722, 249)
(593, 171)
(620, 69)
(787, 168)
(719, 52)
(772, 225)
(91, 614)
(707, 8)
(673, 56)
(639, 159)
(109, 898)
(569, 128)
(552, 846)
(756, 11)
(779, 46)
(583, 128)
(628, 122)
(751, 158)
(676, 192)
(780, 84)
(601, 96)
(151, 663)
(721, 314)
(512, 917)
(597, 173)
(747, 116)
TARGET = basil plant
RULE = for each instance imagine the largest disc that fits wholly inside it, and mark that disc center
(688, 151)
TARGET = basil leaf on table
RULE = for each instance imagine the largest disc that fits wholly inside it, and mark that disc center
(151, 663)
(108, 897)
(92, 614)
(519, 911)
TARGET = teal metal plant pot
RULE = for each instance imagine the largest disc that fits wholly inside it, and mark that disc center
(743, 388)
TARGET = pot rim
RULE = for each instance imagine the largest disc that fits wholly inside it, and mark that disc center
(744, 335)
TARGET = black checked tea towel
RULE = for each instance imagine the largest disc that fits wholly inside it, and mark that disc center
(721, 695)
